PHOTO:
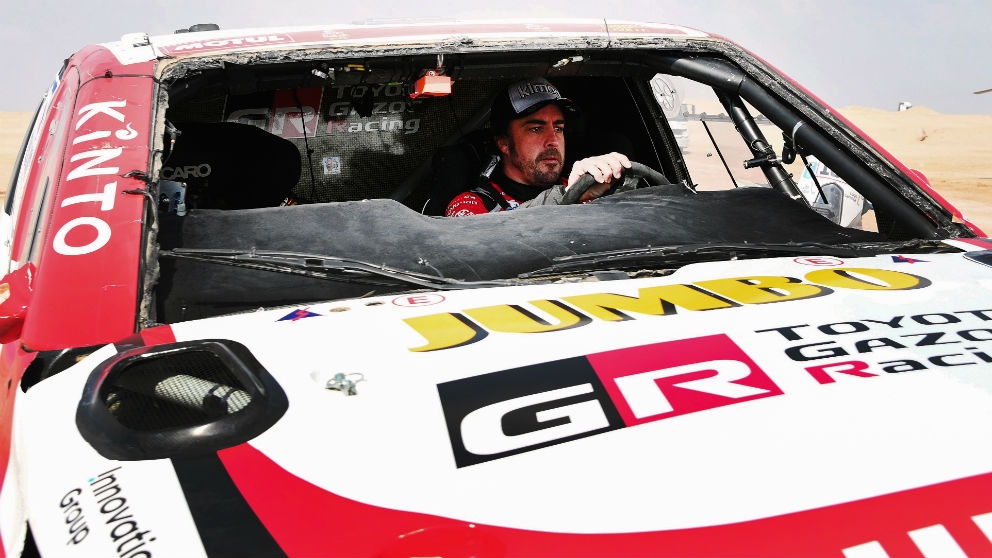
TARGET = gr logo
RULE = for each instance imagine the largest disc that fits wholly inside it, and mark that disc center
(514, 411)
(505, 413)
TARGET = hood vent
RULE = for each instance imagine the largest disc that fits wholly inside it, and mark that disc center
(179, 399)
(983, 257)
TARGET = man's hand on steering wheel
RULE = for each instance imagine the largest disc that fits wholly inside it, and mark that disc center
(579, 191)
(604, 168)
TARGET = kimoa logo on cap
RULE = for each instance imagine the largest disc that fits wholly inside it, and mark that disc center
(531, 88)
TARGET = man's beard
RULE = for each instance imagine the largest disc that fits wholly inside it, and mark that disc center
(538, 173)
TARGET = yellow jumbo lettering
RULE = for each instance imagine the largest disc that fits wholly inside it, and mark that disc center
(653, 301)
(884, 280)
(444, 331)
(761, 290)
(516, 319)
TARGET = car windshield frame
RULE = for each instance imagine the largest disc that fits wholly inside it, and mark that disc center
(736, 76)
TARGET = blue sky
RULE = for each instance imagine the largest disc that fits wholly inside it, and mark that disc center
(847, 52)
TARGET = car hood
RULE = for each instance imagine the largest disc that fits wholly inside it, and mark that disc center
(726, 394)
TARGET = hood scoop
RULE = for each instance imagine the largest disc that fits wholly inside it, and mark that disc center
(983, 257)
(178, 399)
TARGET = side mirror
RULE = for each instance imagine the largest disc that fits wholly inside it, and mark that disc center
(15, 297)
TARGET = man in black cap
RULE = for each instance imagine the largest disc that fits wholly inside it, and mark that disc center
(528, 123)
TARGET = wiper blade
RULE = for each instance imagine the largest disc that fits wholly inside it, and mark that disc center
(322, 267)
(689, 253)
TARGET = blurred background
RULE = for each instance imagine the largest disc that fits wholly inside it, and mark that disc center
(863, 58)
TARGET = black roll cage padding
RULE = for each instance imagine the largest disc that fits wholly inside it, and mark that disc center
(758, 145)
(724, 77)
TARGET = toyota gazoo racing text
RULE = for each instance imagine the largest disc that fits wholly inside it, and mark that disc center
(235, 321)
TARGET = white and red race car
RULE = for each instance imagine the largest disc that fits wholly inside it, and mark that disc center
(233, 326)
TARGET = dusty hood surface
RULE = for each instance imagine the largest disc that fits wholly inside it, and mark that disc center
(738, 397)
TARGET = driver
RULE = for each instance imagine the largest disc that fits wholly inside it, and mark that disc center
(528, 123)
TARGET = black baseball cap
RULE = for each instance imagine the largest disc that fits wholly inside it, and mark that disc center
(525, 97)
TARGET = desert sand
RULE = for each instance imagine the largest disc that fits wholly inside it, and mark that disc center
(13, 126)
(953, 151)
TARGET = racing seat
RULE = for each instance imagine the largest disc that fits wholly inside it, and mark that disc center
(456, 168)
(228, 165)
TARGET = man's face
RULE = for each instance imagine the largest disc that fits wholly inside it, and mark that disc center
(534, 147)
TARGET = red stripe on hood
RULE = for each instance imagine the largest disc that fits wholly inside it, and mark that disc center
(306, 520)
(984, 244)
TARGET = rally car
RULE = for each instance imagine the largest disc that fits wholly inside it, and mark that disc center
(235, 323)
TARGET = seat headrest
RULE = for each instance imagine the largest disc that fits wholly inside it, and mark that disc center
(227, 165)
(455, 168)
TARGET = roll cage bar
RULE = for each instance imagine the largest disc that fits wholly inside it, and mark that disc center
(731, 84)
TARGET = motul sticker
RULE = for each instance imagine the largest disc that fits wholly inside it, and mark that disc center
(225, 44)
(514, 411)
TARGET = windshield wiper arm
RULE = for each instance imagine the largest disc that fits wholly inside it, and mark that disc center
(689, 253)
(321, 267)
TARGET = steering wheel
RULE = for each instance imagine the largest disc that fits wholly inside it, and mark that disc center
(630, 177)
